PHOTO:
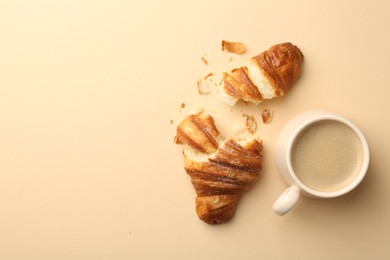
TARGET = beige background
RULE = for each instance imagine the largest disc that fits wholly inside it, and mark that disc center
(88, 167)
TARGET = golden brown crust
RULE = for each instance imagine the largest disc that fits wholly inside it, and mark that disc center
(234, 155)
(281, 64)
(199, 132)
(238, 85)
(216, 209)
(221, 178)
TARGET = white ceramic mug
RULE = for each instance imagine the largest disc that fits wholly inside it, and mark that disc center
(285, 150)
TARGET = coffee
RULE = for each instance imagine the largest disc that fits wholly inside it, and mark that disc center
(327, 156)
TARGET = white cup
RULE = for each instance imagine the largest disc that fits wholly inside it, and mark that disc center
(284, 152)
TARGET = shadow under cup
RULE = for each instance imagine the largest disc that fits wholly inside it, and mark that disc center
(327, 157)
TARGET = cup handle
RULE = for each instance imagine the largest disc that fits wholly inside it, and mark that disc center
(286, 200)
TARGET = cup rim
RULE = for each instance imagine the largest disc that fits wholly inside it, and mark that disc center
(360, 175)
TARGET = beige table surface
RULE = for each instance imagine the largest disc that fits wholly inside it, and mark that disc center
(88, 89)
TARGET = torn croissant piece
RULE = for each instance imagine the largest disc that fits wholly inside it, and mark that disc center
(219, 173)
(269, 74)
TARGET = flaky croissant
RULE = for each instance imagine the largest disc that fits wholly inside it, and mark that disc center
(220, 170)
(269, 74)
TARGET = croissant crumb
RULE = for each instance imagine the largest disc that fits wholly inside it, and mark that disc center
(204, 60)
(204, 83)
(266, 116)
(250, 123)
(233, 47)
(220, 170)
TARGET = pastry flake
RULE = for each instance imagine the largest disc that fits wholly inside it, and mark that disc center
(233, 47)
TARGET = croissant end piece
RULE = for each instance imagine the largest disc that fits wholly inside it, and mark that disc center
(219, 176)
(269, 74)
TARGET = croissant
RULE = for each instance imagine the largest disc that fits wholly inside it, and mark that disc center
(269, 74)
(220, 170)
